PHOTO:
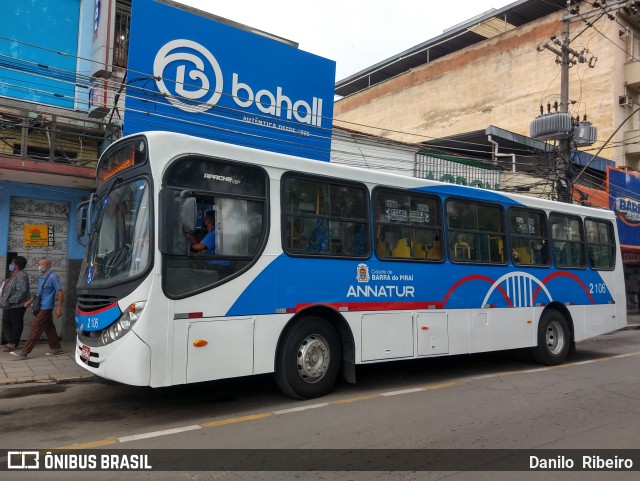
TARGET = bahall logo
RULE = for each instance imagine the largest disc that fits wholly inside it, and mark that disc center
(198, 91)
(191, 79)
(363, 273)
(628, 210)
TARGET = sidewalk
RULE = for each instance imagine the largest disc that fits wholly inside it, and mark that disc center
(63, 368)
(40, 368)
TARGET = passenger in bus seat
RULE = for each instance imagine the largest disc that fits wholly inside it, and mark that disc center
(208, 244)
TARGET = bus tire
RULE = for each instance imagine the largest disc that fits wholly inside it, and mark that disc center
(308, 359)
(554, 339)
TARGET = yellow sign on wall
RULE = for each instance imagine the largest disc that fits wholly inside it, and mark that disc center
(38, 235)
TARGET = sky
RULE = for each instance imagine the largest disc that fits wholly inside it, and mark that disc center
(356, 34)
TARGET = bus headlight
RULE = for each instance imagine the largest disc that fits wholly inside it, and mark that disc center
(124, 323)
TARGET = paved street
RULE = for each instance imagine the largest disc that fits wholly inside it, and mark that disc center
(485, 401)
(63, 368)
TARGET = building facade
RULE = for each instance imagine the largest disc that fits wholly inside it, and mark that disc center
(494, 70)
(50, 137)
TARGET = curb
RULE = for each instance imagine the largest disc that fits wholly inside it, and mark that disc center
(52, 379)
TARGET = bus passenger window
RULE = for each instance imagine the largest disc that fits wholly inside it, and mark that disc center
(600, 244)
(324, 217)
(476, 232)
(528, 234)
(408, 226)
(568, 241)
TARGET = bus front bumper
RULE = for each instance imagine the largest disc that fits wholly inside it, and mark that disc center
(127, 360)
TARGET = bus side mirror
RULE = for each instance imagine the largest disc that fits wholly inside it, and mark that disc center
(189, 215)
(83, 220)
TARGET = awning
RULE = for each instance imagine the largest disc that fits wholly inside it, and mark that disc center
(584, 158)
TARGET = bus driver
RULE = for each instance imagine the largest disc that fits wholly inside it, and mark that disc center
(208, 243)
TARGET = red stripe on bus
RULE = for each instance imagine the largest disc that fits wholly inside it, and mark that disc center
(91, 313)
(570, 276)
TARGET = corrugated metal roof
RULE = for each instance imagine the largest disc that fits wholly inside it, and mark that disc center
(453, 39)
(476, 143)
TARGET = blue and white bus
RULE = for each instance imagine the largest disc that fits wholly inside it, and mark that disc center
(320, 267)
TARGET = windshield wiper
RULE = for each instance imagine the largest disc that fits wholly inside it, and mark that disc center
(98, 220)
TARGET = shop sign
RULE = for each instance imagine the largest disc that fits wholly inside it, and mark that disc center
(624, 201)
(211, 78)
(38, 235)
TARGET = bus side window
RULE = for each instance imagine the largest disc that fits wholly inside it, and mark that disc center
(568, 241)
(326, 217)
(408, 225)
(600, 244)
(528, 233)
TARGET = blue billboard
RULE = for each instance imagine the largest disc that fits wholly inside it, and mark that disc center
(192, 74)
(624, 200)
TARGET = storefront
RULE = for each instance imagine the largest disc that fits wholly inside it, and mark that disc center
(39, 221)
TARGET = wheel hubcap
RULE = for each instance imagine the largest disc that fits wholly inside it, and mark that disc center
(555, 337)
(313, 358)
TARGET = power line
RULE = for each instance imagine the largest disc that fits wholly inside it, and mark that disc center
(155, 94)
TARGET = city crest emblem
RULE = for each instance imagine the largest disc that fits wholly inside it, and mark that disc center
(363, 273)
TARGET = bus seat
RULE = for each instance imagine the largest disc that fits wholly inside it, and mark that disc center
(419, 251)
(382, 250)
(402, 248)
(523, 256)
(434, 251)
(460, 249)
(319, 240)
(360, 242)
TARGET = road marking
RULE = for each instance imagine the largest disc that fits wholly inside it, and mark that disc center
(354, 399)
(240, 419)
(303, 408)
(252, 417)
(92, 444)
(403, 391)
(628, 355)
(155, 434)
(442, 385)
(539, 369)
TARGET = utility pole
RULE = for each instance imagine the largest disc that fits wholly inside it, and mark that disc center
(566, 57)
(562, 170)
(560, 125)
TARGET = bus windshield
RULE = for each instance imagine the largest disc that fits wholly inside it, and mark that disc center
(120, 244)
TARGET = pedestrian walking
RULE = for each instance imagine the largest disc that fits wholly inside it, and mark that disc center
(43, 303)
(15, 294)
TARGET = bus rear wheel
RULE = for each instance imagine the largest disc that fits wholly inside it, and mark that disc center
(308, 359)
(554, 339)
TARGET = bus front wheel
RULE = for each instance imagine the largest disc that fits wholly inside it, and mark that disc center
(308, 359)
(554, 339)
